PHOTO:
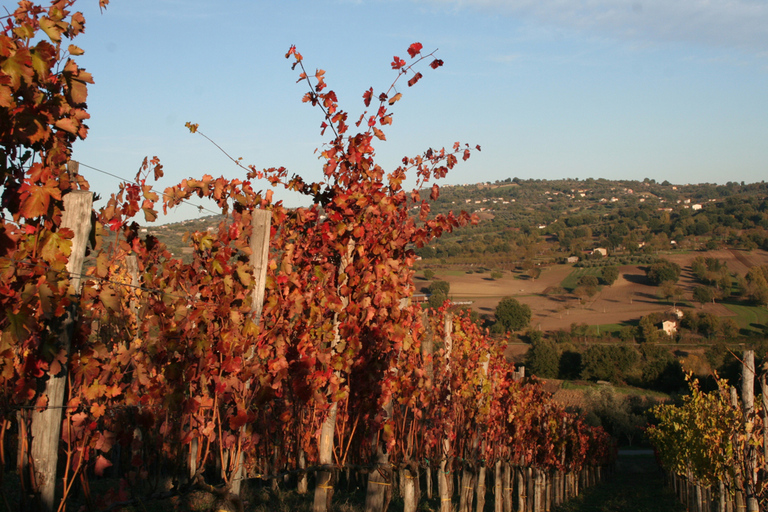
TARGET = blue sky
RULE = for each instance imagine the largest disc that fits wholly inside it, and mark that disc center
(664, 89)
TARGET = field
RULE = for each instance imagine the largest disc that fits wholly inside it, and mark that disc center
(627, 300)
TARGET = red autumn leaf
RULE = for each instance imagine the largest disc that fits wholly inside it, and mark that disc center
(378, 133)
(367, 97)
(435, 192)
(397, 62)
(115, 224)
(414, 49)
(436, 63)
(414, 79)
(235, 422)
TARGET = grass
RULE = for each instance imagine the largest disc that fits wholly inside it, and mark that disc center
(572, 280)
(623, 390)
(637, 486)
(749, 317)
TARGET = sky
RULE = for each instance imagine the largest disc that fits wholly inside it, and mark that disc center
(664, 89)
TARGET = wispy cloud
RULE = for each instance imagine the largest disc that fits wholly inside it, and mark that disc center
(730, 23)
(504, 59)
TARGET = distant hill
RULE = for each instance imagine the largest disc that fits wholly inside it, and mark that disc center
(536, 220)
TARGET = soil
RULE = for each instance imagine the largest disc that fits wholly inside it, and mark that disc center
(627, 300)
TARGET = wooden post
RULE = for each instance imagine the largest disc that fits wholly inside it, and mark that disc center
(498, 488)
(324, 485)
(466, 489)
(411, 492)
(444, 485)
(481, 477)
(261, 225)
(748, 401)
(46, 425)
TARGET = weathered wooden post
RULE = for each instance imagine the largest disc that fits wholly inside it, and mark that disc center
(324, 486)
(46, 424)
(748, 402)
(261, 225)
(444, 484)
(737, 476)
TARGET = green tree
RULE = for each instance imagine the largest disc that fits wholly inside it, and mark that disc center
(670, 292)
(443, 287)
(609, 275)
(496, 274)
(588, 281)
(663, 271)
(703, 294)
(649, 329)
(429, 274)
(511, 315)
(542, 359)
(608, 362)
(757, 284)
(438, 293)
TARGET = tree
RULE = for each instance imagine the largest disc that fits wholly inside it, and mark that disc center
(438, 293)
(496, 274)
(757, 284)
(703, 295)
(588, 281)
(608, 362)
(609, 274)
(511, 315)
(663, 271)
(534, 273)
(542, 359)
(669, 291)
(429, 274)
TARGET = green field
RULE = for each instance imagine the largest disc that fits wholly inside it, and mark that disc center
(572, 281)
(752, 318)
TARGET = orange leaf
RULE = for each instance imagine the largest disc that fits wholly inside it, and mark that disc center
(68, 125)
(98, 410)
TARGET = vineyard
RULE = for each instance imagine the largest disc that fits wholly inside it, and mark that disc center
(713, 445)
(286, 346)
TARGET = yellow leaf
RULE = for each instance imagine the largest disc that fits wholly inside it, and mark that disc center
(51, 29)
(75, 50)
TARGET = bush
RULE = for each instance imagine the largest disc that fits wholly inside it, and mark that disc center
(496, 274)
(429, 274)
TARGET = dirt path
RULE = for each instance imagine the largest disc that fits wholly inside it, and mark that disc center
(636, 486)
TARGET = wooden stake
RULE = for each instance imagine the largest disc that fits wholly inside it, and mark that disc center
(46, 425)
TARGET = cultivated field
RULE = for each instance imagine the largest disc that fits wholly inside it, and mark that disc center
(627, 300)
